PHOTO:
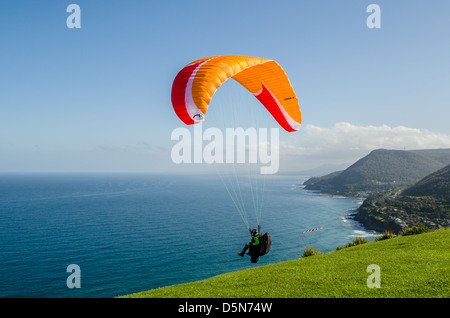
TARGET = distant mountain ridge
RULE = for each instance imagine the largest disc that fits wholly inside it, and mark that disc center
(382, 170)
(324, 169)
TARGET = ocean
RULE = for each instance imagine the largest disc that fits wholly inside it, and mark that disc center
(134, 232)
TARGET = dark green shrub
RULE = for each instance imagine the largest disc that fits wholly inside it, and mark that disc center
(310, 251)
(421, 228)
(386, 235)
(355, 241)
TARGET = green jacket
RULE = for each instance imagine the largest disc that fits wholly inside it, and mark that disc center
(255, 239)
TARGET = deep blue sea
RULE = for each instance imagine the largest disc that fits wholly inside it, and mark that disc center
(130, 232)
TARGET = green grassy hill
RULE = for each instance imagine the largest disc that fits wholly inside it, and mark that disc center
(411, 266)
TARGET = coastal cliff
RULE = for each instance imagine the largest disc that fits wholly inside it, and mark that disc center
(402, 188)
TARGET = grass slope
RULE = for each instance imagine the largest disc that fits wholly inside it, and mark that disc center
(411, 266)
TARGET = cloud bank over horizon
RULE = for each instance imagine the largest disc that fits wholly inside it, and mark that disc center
(310, 147)
(346, 143)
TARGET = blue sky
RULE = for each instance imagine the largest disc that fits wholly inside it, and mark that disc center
(98, 98)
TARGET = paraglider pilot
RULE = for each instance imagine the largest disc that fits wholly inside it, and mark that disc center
(254, 241)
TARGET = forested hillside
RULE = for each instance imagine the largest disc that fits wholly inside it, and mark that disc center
(436, 185)
(381, 170)
(426, 202)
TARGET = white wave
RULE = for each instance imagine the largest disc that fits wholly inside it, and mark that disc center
(361, 233)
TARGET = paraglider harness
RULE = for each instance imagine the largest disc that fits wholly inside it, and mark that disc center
(260, 245)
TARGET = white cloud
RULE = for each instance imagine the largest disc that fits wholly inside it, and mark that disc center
(344, 142)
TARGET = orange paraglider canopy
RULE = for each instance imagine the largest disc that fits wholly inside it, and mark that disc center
(196, 83)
